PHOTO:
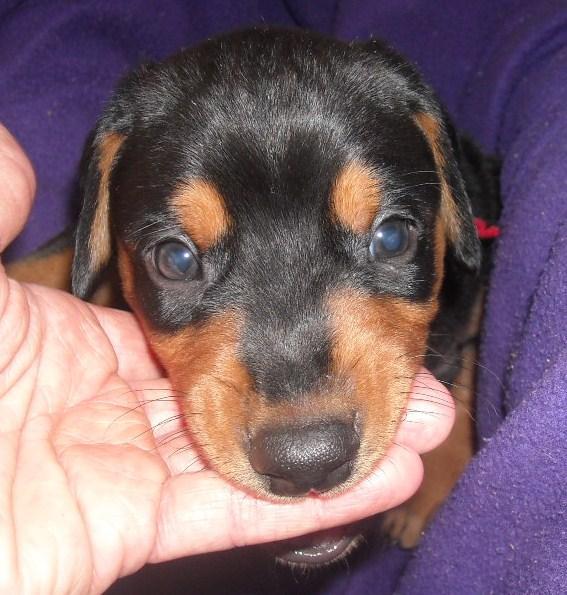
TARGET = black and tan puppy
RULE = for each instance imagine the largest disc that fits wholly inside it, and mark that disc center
(292, 228)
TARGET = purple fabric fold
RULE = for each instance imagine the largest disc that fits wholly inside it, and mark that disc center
(501, 69)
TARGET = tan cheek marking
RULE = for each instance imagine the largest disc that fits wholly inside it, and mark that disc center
(211, 383)
(379, 343)
(203, 212)
(431, 130)
(202, 362)
(355, 198)
(99, 238)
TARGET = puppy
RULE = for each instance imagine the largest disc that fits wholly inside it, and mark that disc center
(291, 225)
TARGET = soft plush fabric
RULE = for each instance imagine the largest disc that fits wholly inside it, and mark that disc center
(501, 69)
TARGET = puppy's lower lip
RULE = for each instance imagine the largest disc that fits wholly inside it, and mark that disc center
(317, 549)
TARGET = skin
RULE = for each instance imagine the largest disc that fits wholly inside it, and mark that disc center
(97, 477)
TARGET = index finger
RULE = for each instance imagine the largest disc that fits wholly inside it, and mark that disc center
(429, 416)
(202, 513)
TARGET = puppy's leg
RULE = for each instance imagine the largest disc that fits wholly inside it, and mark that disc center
(50, 266)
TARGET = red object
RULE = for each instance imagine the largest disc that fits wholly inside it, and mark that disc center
(486, 231)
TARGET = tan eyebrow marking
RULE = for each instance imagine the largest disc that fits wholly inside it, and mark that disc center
(202, 211)
(355, 197)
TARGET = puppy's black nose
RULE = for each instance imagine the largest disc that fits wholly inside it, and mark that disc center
(298, 459)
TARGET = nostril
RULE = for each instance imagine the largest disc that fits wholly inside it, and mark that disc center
(297, 459)
(336, 476)
(285, 487)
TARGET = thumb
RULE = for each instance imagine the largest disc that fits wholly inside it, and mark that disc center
(17, 188)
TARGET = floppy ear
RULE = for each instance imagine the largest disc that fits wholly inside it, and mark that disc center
(456, 211)
(93, 244)
(142, 96)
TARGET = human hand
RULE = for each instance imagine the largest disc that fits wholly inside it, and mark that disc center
(97, 474)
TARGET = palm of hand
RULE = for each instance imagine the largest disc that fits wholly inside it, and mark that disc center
(86, 455)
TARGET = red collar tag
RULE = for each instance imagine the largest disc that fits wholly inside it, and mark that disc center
(486, 231)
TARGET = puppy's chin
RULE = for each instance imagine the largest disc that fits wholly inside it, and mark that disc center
(320, 549)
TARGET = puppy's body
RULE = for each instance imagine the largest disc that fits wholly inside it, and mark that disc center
(293, 230)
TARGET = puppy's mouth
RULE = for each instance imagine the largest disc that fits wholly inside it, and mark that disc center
(318, 549)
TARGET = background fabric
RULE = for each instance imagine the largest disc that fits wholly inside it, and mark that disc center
(501, 70)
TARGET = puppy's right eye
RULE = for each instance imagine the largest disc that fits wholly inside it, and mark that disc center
(176, 261)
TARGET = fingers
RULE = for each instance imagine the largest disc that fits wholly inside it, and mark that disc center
(17, 187)
(201, 513)
(430, 414)
(136, 362)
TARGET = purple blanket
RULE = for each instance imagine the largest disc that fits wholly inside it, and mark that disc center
(501, 69)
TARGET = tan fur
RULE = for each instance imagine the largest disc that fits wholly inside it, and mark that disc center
(374, 344)
(217, 400)
(371, 376)
(431, 130)
(99, 238)
(54, 270)
(50, 270)
(203, 212)
(202, 363)
(355, 198)
(374, 340)
(126, 273)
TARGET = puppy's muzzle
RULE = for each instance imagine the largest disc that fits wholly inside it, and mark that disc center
(300, 459)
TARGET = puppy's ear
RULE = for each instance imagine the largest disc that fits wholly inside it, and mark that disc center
(93, 244)
(456, 212)
(141, 97)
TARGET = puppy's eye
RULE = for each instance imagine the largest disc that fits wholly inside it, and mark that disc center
(395, 237)
(176, 261)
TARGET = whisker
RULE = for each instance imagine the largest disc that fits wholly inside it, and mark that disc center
(195, 460)
(162, 442)
(168, 399)
(429, 399)
(404, 189)
(431, 388)
(181, 449)
(161, 423)
(420, 171)
(431, 413)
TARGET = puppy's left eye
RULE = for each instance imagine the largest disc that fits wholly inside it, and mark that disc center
(176, 261)
(395, 237)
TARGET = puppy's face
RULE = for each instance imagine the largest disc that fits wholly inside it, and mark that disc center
(281, 206)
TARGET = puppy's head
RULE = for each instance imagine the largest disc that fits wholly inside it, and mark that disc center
(281, 207)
